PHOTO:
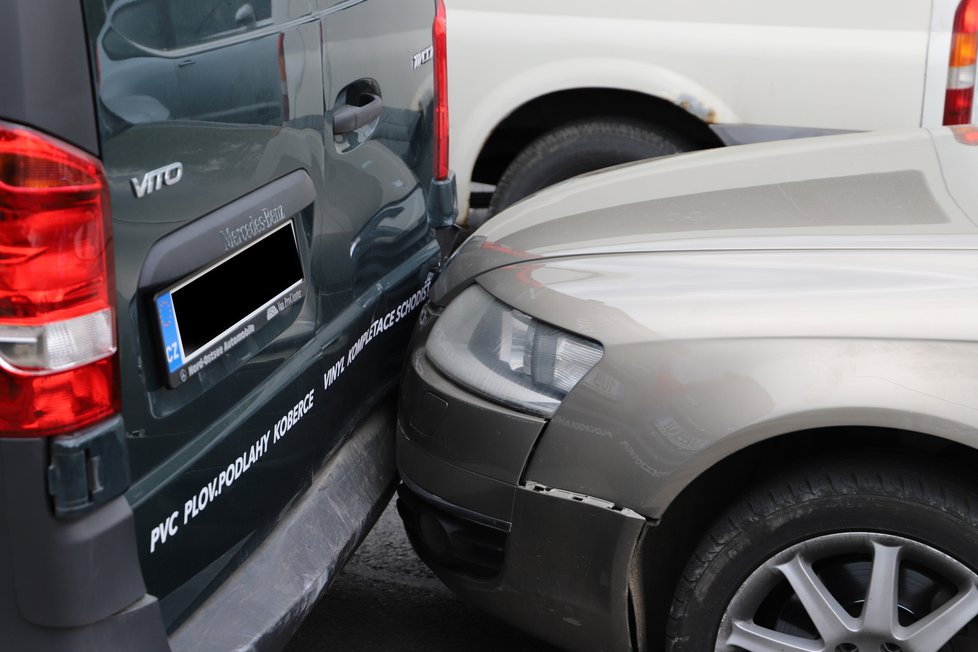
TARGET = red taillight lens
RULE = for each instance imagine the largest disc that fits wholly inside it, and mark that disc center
(283, 79)
(53, 231)
(439, 41)
(35, 406)
(57, 337)
(959, 100)
(966, 135)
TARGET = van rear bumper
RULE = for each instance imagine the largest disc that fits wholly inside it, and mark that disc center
(69, 583)
(259, 607)
(263, 603)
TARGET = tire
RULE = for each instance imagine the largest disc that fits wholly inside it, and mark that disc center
(576, 148)
(760, 572)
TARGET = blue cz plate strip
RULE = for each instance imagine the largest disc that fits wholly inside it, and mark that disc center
(171, 336)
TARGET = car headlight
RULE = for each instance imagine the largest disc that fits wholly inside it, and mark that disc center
(506, 355)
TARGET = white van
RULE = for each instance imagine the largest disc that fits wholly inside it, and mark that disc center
(542, 90)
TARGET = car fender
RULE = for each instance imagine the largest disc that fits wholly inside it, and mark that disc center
(597, 72)
(707, 400)
(707, 353)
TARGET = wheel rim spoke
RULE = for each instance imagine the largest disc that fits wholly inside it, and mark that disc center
(754, 638)
(902, 576)
(880, 608)
(828, 616)
(937, 628)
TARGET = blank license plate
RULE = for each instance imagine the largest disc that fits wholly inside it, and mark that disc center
(205, 316)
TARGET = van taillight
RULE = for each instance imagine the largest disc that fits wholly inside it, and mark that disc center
(960, 96)
(283, 78)
(58, 371)
(439, 41)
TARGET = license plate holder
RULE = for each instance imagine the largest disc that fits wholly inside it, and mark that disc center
(206, 316)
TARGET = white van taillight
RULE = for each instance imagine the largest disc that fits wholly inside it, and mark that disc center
(58, 370)
(439, 41)
(960, 97)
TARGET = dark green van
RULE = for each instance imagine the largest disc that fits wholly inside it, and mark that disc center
(217, 225)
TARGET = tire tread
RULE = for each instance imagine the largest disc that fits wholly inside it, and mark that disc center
(899, 480)
(572, 138)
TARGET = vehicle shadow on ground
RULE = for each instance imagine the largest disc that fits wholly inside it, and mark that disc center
(387, 600)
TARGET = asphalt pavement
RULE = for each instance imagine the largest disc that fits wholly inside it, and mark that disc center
(386, 600)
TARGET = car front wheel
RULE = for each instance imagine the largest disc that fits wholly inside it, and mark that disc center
(851, 558)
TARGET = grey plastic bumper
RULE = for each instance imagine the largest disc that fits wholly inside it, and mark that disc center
(262, 604)
(565, 573)
(67, 584)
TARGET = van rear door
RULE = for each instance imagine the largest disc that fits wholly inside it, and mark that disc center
(265, 269)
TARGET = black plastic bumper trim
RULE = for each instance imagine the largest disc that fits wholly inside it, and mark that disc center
(261, 605)
(461, 512)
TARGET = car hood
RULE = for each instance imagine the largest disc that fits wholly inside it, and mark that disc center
(900, 190)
